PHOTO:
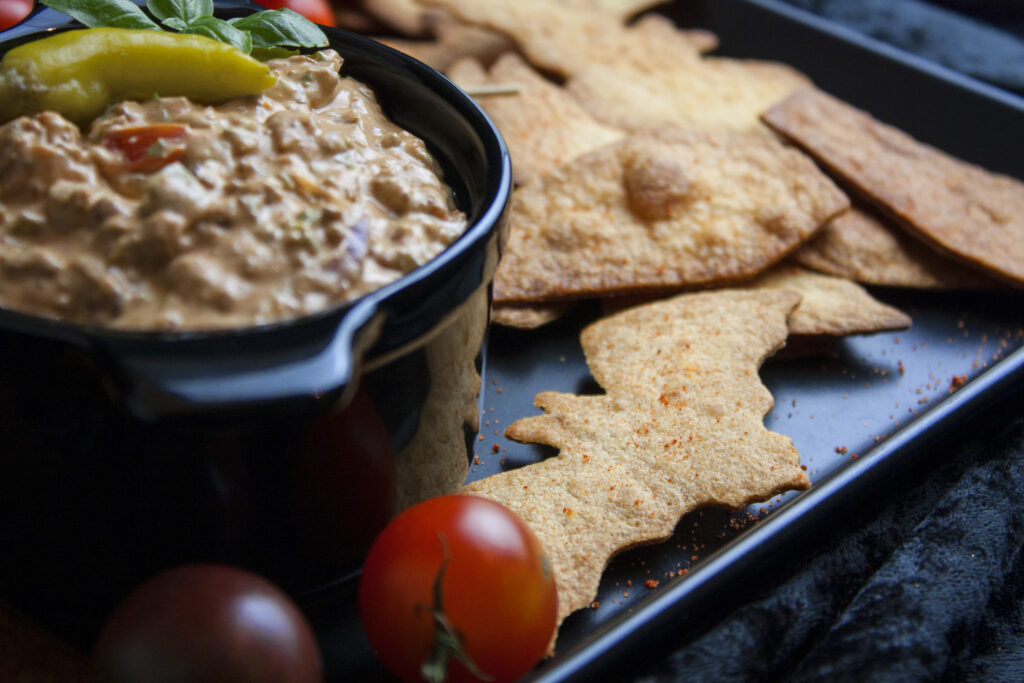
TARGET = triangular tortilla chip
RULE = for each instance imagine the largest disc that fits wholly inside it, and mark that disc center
(680, 427)
(452, 40)
(858, 245)
(964, 210)
(565, 37)
(711, 93)
(543, 126)
(659, 210)
(829, 305)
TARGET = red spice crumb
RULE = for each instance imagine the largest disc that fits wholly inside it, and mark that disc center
(683, 571)
(495, 448)
(476, 460)
(567, 511)
(625, 594)
(957, 382)
(853, 457)
(841, 450)
(595, 604)
(481, 437)
(693, 558)
(500, 390)
(494, 382)
(651, 583)
(803, 467)
(629, 582)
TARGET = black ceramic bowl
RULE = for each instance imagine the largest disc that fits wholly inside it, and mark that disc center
(282, 448)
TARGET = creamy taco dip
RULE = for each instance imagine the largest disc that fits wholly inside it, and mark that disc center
(170, 215)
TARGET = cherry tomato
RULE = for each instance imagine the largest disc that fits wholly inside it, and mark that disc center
(148, 148)
(494, 588)
(317, 11)
(13, 11)
(202, 623)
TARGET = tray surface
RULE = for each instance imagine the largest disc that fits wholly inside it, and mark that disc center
(840, 407)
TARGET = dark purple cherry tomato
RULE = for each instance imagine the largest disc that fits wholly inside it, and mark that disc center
(201, 623)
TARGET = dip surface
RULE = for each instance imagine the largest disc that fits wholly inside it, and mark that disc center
(279, 205)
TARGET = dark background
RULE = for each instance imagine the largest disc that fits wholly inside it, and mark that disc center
(981, 38)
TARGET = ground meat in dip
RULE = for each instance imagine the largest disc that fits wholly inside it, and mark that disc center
(279, 205)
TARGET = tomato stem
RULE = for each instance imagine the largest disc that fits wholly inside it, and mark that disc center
(447, 640)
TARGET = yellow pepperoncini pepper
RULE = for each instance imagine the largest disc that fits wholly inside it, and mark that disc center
(78, 73)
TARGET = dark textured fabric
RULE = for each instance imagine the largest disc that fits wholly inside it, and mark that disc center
(981, 44)
(929, 588)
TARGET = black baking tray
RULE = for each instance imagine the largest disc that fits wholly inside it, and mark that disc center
(864, 414)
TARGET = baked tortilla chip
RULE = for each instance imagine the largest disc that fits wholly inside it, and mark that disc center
(527, 316)
(566, 37)
(964, 210)
(711, 93)
(680, 427)
(407, 17)
(829, 305)
(453, 40)
(859, 246)
(659, 210)
(542, 125)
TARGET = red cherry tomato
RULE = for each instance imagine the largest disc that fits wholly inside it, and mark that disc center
(202, 623)
(13, 11)
(496, 590)
(148, 148)
(317, 11)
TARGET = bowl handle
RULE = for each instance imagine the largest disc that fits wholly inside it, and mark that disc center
(293, 364)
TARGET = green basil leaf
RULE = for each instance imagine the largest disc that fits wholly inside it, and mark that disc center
(265, 53)
(186, 10)
(218, 29)
(174, 23)
(109, 13)
(281, 28)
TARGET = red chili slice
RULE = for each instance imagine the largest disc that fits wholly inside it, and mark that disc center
(148, 148)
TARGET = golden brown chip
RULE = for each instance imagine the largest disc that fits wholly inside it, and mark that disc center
(965, 210)
(543, 126)
(711, 93)
(565, 37)
(859, 246)
(623, 9)
(830, 305)
(680, 427)
(406, 17)
(453, 40)
(662, 209)
(527, 316)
